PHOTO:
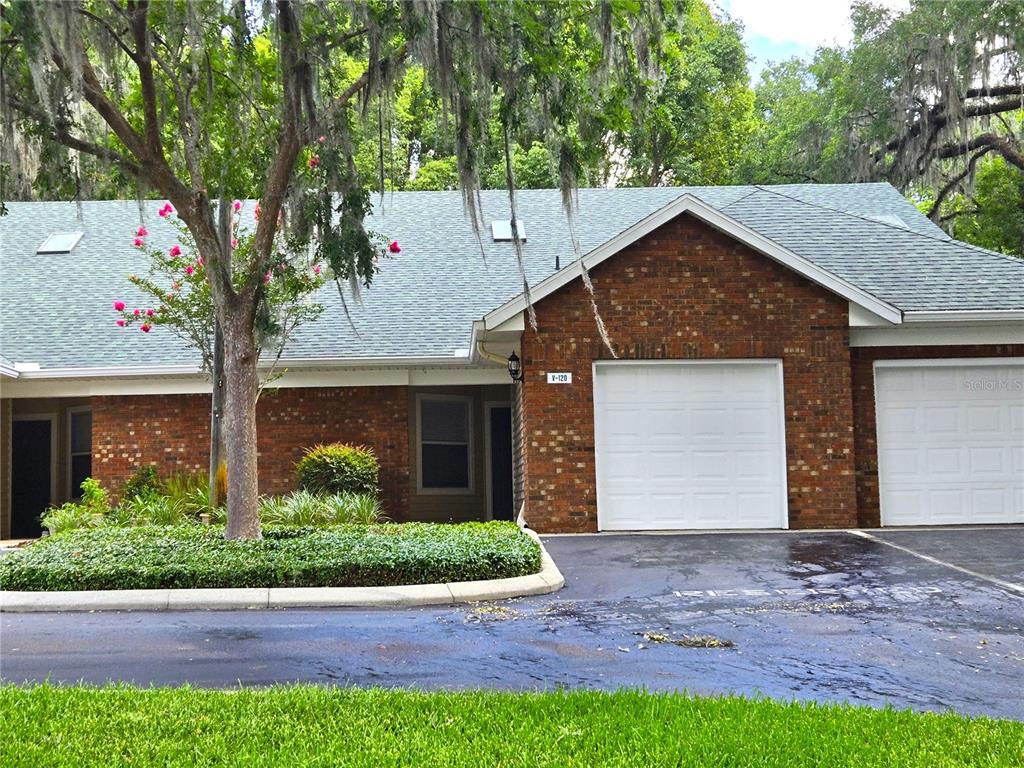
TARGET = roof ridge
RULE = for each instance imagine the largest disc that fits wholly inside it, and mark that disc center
(946, 239)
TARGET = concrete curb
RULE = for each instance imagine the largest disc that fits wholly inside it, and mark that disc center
(548, 579)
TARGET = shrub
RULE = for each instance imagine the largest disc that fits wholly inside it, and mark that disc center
(303, 508)
(88, 513)
(339, 468)
(195, 556)
(142, 481)
(150, 507)
(191, 491)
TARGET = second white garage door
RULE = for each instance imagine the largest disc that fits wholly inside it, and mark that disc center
(689, 445)
(950, 441)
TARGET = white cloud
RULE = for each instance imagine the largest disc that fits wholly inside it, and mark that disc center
(807, 23)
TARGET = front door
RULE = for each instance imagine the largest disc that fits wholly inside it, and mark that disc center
(31, 475)
(500, 425)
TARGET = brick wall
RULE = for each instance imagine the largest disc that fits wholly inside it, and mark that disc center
(687, 291)
(172, 432)
(865, 433)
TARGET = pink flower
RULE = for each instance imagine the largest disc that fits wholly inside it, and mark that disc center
(120, 322)
(322, 139)
(142, 232)
(175, 251)
(316, 269)
(175, 286)
(137, 312)
(166, 211)
(145, 327)
(394, 247)
(119, 306)
(267, 277)
(257, 211)
(234, 242)
(170, 296)
(237, 205)
(138, 242)
(282, 267)
(314, 161)
(189, 270)
(199, 261)
(150, 313)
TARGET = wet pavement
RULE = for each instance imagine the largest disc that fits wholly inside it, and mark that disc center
(815, 616)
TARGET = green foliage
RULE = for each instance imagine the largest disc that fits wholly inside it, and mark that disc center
(992, 215)
(191, 491)
(90, 512)
(302, 508)
(339, 468)
(151, 507)
(439, 173)
(59, 725)
(196, 556)
(143, 481)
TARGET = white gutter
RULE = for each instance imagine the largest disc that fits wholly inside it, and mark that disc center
(964, 316)
(9, 371)
(291, 364)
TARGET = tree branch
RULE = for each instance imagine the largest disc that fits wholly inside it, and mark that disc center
(949, 186)
(144, 64)
(111, 31)
(993, 141)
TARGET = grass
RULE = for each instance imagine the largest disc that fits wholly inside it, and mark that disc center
(313, 726)
(195, 556)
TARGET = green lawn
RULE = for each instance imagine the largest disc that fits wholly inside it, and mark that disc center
(46, 726)
(194, 556)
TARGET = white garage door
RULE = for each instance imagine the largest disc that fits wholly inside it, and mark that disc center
(950, 442)
(689, 445)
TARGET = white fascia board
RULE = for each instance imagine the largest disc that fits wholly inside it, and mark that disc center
(938, 334)
(687, 203)
(965, 316)
(294, 364)
(464, 375)
(9, 372)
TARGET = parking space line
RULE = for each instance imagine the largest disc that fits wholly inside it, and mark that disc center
(1008, 585)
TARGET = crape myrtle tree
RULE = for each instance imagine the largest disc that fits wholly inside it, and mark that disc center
(204, 101)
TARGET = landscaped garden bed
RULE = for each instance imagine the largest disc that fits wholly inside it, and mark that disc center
(196, 556)
(83, 727)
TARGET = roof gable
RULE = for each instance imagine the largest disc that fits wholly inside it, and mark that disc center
(694, 206)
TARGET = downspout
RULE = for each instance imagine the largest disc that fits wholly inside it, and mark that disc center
(482, 352)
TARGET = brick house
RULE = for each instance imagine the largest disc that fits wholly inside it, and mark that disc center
(799, 356)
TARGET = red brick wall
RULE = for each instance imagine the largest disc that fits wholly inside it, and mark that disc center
(687, 291)
(172, 432)
(865, 434)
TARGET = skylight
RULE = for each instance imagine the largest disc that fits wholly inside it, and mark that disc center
(60, 242)
(501, 230)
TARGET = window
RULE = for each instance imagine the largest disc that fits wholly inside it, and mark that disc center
(444, 444)
(79, 449)
(61, 242)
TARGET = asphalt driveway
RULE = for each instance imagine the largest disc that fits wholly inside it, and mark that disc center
(922, 619)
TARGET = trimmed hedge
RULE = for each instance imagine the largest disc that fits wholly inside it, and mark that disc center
(193, 556)
(339, 468)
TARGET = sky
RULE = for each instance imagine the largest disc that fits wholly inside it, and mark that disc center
(779, 29)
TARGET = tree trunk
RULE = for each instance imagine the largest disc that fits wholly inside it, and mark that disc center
(216, 415)
(238, 428)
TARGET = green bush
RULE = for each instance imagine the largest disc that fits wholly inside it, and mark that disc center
(194, 556)
(339, 468)
(143, 481)
(90, 512)
(192, 491)
(150, 507)
(304, 508)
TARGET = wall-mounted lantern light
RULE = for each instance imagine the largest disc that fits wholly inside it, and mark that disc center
(515, 368)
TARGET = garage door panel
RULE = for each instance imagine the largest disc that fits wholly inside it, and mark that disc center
(705, 445)
(963, 461)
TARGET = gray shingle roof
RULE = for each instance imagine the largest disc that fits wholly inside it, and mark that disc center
(55, 310)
